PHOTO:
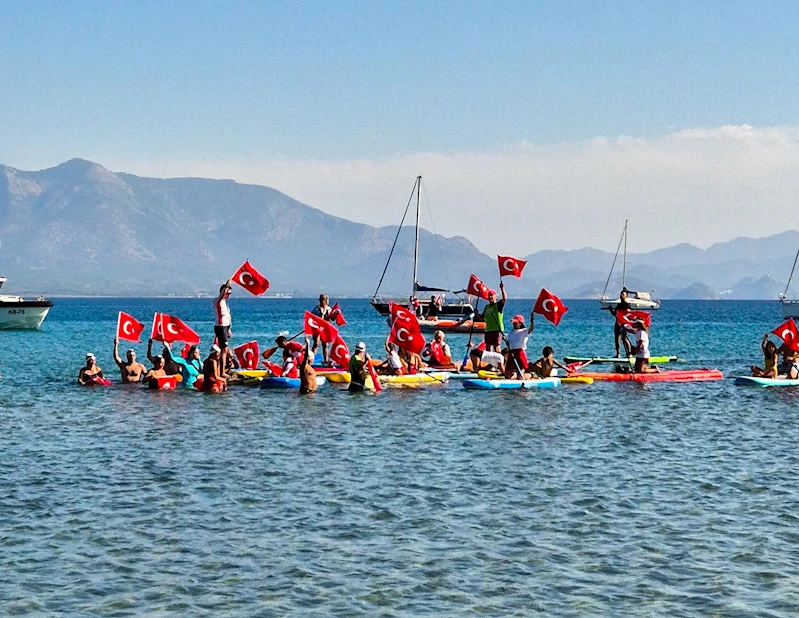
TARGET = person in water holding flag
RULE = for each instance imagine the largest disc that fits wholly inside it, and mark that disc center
(130, 370)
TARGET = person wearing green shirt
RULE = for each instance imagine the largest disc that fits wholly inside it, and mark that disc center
(492, 316)
(358, 371)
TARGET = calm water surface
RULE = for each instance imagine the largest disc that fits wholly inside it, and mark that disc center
(602, 500)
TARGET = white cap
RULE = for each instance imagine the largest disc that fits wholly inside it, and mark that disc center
(90, 355)
(361, 346)
(215, 348)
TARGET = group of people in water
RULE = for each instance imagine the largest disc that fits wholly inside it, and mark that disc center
(501, 352)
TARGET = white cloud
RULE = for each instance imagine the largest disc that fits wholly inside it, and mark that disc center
(695, 185)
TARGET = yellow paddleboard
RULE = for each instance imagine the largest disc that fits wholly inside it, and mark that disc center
(416, 378)
(577, 380)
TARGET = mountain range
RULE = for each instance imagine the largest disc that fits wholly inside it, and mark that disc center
(80, 229)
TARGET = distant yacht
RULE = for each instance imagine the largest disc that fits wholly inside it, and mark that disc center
(790, 307)
(637, 300)
(18, 313)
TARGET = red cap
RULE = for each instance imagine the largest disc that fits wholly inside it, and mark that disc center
(517, 318)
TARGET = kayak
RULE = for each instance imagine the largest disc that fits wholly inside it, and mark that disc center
(451, 326)
(753, 381)
(654, 360)
(481, 384)
(686, 375)
(275, 382)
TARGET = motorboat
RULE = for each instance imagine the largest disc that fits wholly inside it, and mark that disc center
(18, 313)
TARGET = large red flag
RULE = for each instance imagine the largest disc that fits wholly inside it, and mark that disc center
(403, 316)
(314, 325)
(626, 318)
(788, 333)
(274, 368)
(477, 288)
(407, 339)
(337, 316)
(157, 332)
(339, 353)
(250, 279)
(550, 306)
(175, 329)
(129, 328)
(510, 266)
(247, 354)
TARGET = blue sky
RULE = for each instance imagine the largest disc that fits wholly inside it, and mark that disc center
(168, 88)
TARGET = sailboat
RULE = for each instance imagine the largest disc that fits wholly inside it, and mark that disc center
(459, 308)
(638, 301)
(790, 308)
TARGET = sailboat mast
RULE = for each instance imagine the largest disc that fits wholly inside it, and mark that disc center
(624, 267)
(416, 242)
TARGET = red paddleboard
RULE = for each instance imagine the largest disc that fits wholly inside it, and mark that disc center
(687, 375)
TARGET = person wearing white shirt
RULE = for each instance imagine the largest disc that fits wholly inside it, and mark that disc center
(641, 349)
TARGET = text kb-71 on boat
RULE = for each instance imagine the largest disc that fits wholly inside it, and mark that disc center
(18, 313)
(638, 301)
(436, 304)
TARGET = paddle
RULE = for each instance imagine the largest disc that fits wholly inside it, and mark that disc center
(270, 351)
(471, 332)
(582, 366)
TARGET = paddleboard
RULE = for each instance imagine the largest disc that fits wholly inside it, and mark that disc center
(687, 375)
(577, 380)
(653, 360)
(274, 382)
(416, 378)
(753, 381)
(481, 384)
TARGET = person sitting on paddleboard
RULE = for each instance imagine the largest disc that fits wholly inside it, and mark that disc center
(212, 372)
(294, 348)
(307, 372)
(771, 357)
(91, 373)
(492, 316)
(324, 311)
(358, 369)
(517, 346)
(131, 370)
(222, 321)
(642, 349)
(291, 364)
(437, 353)
(544, 367)
(413, 362)
(486, 359)
(619, 332)
(392, 366)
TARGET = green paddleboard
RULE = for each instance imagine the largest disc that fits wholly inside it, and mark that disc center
(631, 359)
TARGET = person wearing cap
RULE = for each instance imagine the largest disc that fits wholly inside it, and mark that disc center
(641, 349)
(358, 369)
(222, 321)
(212, 373)
(158, 369)
(324, 311)
(91, 373)
(517, 346)
(171, 368)
(131, 370)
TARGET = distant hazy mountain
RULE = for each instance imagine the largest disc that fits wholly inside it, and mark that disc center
(79, 228)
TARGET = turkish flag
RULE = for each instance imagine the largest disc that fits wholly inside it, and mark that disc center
(626, 318)
(550, 306)
(404, 316)
(129, 328)
(276, 369)
(510, 266)
(407, 339)
(337, 316)
(314, 325)
(477, 288)
(250, 279)
(247, 354)
(174, 329)
(157, 332)
(788, 333)
(340, 353)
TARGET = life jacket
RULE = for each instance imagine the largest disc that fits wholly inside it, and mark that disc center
(437, 353)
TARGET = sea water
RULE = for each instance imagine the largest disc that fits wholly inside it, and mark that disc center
(605, 500)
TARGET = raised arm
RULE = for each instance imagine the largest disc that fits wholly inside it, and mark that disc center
(531, 328)
(117, 360)
(150, 356)
(764, 342)
(504, 293)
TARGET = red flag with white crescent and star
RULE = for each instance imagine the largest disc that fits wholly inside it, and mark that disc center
(510, 265)
(788, 333)
(407, 339)
(247, 353)
(129, 328)
(174, 329)
(550, 306)
(626, 318)
(340, 353)
(337, 316)
(404, 316)
(477, 288)
(250, 279)
(157, 331)
(314, 325)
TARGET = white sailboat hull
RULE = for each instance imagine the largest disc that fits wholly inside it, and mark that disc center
(636, 304)
(790, 308)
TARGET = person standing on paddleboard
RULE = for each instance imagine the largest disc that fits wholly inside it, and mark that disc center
(517, 347)
(324, 311)
(492, 316)
(222, 322)
(619, 332)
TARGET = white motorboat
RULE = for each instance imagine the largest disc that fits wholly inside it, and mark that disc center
(638, 301)
(18, 313)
